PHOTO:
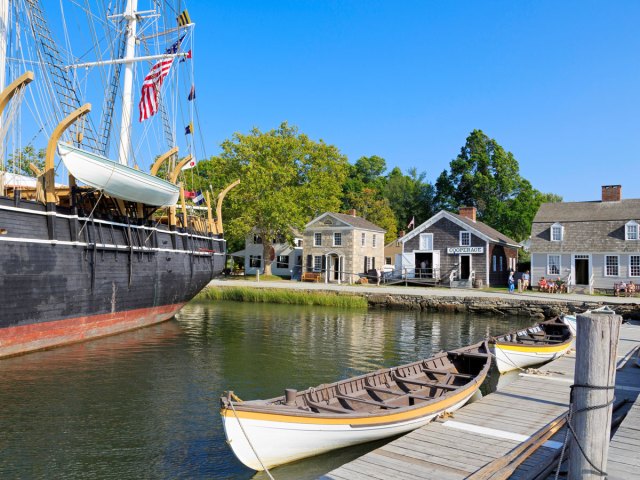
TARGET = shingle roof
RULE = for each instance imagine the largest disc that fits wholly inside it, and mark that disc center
(486, 229)
(357, 222)
(588, 211)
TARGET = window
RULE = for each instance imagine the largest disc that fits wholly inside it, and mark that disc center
(426, 241)
(631, 231)
(501, 265)
(465, 239)
(317, 263)
(255, 261)
(364, 239)
(634, 265)
(553, 264)
(366, 264)
(337, 239)
(257, 240)
(387, 260)
(495, 259)
(282, 261)
(373, 243)
(317, 239)
(556, 232)
(611, 263)
(297, 242)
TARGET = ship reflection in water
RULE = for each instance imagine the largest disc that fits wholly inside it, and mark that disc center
(144, 404)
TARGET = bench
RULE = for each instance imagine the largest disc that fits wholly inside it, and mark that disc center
(311, 277)
(625, 289)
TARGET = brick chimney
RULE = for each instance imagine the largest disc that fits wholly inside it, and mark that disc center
(611, 193)
(468, 212)
(401, 233)
(352, 212)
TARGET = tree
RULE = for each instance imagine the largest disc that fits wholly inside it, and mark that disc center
(487, 177)
(409, 196)
(18, 161)
(286, 179)
(376, 209)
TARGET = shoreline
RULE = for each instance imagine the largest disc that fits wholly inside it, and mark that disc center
(530, 304)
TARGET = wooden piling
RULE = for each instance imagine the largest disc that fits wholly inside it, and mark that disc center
(596, 350)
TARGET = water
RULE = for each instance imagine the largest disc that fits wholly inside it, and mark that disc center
(144, 404)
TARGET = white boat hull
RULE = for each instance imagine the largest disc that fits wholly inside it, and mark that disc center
(119, 181)
(511, 358)
(571, 322)
(281, 442)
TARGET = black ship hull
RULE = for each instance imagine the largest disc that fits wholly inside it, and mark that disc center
(67, 278)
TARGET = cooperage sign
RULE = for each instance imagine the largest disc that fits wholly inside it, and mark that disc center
(465, 250)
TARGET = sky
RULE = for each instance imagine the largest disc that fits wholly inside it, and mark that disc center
(555, 83)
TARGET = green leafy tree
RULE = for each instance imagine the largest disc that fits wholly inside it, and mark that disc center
(286, 179)
(409, 196)
(487, 177)
(18, 161)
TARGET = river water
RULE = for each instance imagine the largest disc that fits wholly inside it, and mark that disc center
(144, 404)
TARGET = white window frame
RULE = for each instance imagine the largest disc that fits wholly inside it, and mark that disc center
(549, 272)
(606, 272)
(631, 226)
(253, 259)
(337, 239)
(468, 235)
(637, 266)
(560, 229)
(317, 239)
(317, 263)
(426, 238)
(363, 239)
(373, 241)
(279, 262)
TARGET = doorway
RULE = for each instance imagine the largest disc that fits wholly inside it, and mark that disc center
(424, 264)
(336, 268)
(465, 267)
(581, 267)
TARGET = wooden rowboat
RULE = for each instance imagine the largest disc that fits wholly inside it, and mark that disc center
(266, 433)
(532, 346)
(572, 320)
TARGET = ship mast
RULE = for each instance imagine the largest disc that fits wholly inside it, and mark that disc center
(4, 32)
(127, 90)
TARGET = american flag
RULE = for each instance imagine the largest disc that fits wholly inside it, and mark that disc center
(153, 81)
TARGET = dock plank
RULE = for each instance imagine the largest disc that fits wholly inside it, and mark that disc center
(523, 407)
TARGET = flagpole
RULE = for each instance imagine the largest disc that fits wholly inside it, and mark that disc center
(127, 88)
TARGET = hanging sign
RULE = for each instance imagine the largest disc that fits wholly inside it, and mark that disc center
(455, 250)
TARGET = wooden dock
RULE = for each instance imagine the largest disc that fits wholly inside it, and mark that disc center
(485, 434)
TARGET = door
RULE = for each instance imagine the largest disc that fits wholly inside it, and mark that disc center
(424, 264)
(582, 271)
(336, 268)
(465, 267)
(436, 264)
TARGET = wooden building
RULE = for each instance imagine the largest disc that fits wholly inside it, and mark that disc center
(590, 245)
(458, 249)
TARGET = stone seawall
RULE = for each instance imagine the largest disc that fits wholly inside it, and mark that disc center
(494, 306)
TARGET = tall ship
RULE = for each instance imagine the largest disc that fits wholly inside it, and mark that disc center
(97, 236)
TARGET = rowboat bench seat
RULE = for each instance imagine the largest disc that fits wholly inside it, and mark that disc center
(447, 372)
(445, 386)
(365, 401)
(328, 408)
(397, 394)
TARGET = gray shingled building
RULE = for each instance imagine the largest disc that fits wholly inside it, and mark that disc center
(451, 247)
(590, 245)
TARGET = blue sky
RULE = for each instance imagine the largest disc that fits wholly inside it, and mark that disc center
(556, 83)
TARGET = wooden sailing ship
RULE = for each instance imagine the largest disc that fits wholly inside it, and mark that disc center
(266, 433)
(113, 249)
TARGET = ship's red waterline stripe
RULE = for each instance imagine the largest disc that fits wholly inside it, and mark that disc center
(39, 336)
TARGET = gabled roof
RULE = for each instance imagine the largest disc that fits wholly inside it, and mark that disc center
(588, 211)
(356, 222)
(480, 229)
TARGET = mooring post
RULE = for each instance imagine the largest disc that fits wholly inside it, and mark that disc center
(593, 392)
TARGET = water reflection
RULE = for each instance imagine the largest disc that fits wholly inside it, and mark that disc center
(145, 403)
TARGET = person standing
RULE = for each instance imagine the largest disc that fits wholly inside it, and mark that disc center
(511, 282)
(526, 278)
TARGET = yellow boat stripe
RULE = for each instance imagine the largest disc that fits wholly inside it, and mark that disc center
(533, 348)
(369, 420)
